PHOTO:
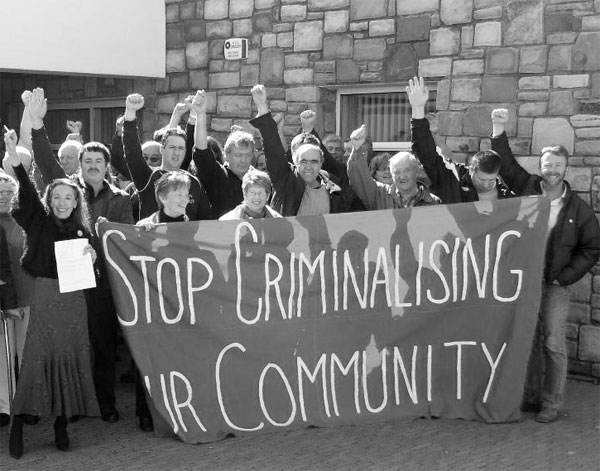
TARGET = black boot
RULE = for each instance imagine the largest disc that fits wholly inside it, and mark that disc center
(61, 438)
(15, 443)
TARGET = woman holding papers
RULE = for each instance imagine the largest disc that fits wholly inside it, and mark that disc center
(56, 376)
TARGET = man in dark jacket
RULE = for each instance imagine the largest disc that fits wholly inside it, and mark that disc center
(452, 182)
(300, 188)
(173, 150)
(573, 247)
(104, 200)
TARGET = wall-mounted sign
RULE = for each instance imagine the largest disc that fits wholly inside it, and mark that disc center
(235, 48)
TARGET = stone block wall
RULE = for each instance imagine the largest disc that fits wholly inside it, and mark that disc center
(538, 58)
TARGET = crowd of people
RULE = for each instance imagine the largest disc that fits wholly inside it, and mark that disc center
(64, 344)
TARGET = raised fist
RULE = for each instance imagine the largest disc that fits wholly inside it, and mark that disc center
(25, 97)
(75, 126)
(134, 102)
(500, 116)
(180, 109)
(259, 94)
(358, 136)
(308, 119)
(198, 102)
(10, 139)
(119, 125)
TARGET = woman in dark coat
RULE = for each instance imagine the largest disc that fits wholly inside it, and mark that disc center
(56, 376)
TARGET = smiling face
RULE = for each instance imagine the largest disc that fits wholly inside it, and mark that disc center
(175, 201)
(7, 192)
(63, 201)
(173, 153)
(553, 169)
(308, 160)
(404, 173)
(255, 198)
(93, 167)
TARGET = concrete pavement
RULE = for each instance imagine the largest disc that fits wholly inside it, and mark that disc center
(572, 443)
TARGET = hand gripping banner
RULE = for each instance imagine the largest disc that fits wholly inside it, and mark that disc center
(277, 324)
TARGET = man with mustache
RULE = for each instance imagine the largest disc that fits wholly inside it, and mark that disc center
(104, 200)
(573, 247)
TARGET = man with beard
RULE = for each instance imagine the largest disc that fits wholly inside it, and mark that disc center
(404, 192)
(106, 201)
(573, 247)
(452, 182)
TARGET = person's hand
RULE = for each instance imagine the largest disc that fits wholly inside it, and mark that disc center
(15, 314)
(38, 106)
(418, 94)
(133, 103)
(119, 125)
(180, 109)
(199, 103)
(499, 120)
(358, 136)
(74, 126)
(147, 226)
(308, 118)
(100, 220)
(259, 95)
(89, 249)
(25, 97)
(10, 139)
(188, 102)
(235, 128)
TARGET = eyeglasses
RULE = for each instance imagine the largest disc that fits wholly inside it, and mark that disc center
(7, 192)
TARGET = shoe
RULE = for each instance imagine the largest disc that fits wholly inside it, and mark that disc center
(547, 415)
(531, 407)
(110, 415)
(61, 438)
(4, 420)
(15, 443)
(146, 424)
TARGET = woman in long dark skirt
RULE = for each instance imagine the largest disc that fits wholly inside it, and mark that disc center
(56, 375)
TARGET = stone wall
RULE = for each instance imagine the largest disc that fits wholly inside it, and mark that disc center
(538, 58)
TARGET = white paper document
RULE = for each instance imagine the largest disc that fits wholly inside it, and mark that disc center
(75, 270)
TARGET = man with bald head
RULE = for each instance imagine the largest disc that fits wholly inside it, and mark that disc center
(406, 191)
(151, 153)
(68, 156)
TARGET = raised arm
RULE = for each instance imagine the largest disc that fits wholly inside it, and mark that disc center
(140, 172)
(515, 176)
(117, 157)
(43, 156)
(25, 129)
(28, 208)
(437, 168)
(277, 163)
(360, 178)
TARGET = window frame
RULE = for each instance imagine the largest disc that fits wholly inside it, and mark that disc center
(381, 88)
(94, 106)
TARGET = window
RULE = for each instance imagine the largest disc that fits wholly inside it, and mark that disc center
(384, 110)
(97, 116)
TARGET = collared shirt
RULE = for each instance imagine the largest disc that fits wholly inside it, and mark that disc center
(555, 206)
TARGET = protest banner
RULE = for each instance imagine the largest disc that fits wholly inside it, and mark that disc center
(277, 324)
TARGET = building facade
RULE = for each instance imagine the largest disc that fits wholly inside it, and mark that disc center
(350, 60)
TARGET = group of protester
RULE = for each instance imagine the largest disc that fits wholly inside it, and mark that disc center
(65, 342)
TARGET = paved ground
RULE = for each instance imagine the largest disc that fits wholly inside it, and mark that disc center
(572, 443)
